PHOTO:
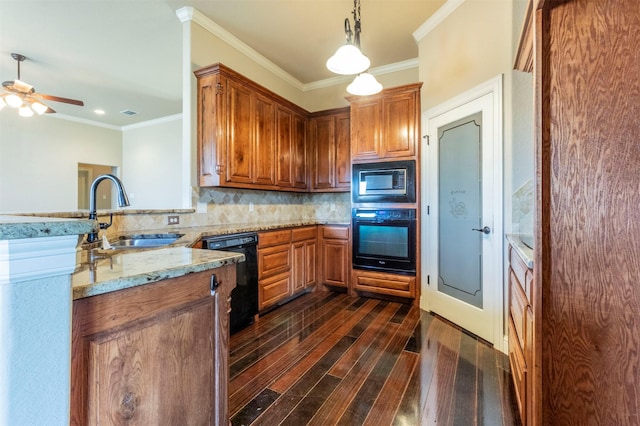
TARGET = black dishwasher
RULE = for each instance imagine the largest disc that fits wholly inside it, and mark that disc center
(244, 298)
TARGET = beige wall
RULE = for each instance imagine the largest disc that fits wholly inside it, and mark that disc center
(39, 159)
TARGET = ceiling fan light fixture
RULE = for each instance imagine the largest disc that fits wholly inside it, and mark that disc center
(348, 60)
(13, 100)
(25, 111)
(39, 107)
(364, 84)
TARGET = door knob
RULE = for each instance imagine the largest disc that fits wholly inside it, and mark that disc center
(486, 230)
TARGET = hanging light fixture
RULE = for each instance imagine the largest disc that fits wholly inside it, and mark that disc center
(364, 84)
(349, 59)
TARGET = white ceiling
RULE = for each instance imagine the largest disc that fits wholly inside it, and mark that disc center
(126, 54)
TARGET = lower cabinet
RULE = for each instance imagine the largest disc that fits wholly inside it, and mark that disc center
(153, 354)
(286, 263)
(521, 323)
(335, 255)
(384, 283)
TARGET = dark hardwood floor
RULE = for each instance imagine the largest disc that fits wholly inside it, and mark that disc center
(332, 359)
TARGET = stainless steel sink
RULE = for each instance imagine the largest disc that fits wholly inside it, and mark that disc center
(144, 241)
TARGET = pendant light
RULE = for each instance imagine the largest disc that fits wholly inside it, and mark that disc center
(349, 59)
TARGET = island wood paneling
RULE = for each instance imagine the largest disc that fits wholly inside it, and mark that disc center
(587, 257)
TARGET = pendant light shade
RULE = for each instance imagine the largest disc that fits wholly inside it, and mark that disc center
(364, 84)
(348, 60)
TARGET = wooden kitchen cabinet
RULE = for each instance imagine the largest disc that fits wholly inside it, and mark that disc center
(248, 137)
(384, 283)
(335, 255)
(286, 264)
(520, 327)
(153, 354)
(585, 366)
(386, 126)
(304, 243)
(330, 147)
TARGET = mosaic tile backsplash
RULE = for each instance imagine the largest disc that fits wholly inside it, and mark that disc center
(231, 206)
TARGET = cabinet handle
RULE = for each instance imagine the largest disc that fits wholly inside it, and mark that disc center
(214, 284)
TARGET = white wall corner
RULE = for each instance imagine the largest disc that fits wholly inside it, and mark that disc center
(435, 19)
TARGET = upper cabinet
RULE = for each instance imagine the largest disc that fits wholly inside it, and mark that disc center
(330, 145)
(386, 125)
(248, 137)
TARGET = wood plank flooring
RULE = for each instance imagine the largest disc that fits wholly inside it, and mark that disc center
(333, 359)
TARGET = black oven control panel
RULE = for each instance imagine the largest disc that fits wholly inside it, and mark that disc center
(384, 215)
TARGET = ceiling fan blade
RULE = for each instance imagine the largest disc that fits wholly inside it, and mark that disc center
(59, 99)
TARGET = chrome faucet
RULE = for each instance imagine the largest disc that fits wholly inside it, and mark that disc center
(123, 201)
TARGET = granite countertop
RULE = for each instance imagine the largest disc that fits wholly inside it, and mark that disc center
(524, 251)
(102, 271)
(191, 235)
(118, 270)
(18, 227)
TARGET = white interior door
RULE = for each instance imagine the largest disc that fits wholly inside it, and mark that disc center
(462, 193)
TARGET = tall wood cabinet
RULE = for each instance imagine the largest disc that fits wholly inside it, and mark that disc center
(386, 126)
(248, 137)
(329, 150)
(153, 354)
(586, 298)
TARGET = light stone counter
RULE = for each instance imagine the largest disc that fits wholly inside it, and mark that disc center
(19, 227)
(124, 269)
(524, 251)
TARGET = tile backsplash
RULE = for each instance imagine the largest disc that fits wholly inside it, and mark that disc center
(523, 208)
(229, 206)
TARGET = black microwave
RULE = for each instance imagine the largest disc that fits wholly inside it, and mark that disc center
(387, 182)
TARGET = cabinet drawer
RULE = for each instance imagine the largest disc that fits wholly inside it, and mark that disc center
(518, 308)
(520, 270)
(518, 372)
(273, 238)
(335, 232)
(273, 260)
(305, 233)
(274, 289)
(394, 285)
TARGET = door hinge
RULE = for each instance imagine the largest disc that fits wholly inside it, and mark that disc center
(426, 137)
(428, 208)
(428, 279)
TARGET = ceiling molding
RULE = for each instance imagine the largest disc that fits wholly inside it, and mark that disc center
(190, 14)
(153, 122)
(435, 19)
(84, 121)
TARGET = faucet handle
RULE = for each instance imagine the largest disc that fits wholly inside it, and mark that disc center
(106, 225)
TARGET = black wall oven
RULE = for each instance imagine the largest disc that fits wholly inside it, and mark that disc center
(384, 240)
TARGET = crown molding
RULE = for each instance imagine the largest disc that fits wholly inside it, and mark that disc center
(435, 19)
(153, 122)
(190, 14)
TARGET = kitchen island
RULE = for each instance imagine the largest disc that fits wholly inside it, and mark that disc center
(150, 334)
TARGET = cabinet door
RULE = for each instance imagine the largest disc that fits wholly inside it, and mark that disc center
(239, 133)
(324, 152)
(211, 137)
(335, 255)
(284, 148)
(264, 141)
(366, 117)
(310, 248)
(399, 130)
(343, 151)
(298, 264)
(299, 152)
(123, 342)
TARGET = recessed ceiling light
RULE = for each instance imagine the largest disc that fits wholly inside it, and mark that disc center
(99, 111)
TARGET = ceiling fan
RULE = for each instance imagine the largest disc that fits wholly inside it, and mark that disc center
(23, 96)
